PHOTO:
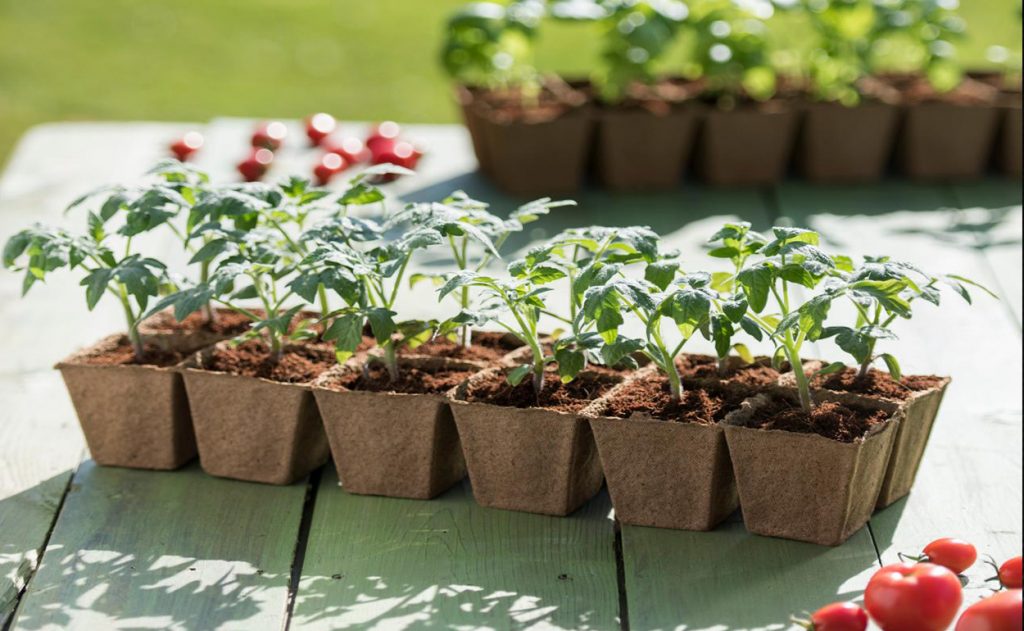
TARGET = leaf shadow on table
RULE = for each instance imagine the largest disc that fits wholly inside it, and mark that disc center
(396, 564)
(729, 579)
(143, 549)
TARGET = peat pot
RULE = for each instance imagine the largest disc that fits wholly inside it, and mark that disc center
(393, 444)
(1009, 145)
(747, 146)
(663, 473)
(846, 144)
(947, 141)
(805, 486)
(132, 415)
(251, 428)
(526, 459)
(639, 150)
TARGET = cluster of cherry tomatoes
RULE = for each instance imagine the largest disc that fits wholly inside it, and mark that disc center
(924, 593)
(383, 145)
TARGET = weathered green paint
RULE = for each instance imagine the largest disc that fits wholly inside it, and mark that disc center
(171, 550)
(384, 563)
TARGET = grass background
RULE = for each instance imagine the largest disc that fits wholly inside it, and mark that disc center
(195, 59)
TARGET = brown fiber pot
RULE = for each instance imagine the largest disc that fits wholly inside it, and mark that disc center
(664, 474)
(526, 459)
(638, 150)
(253, 429)
(946, 141)
(747, 145)
(846, 144)
(132, 416)
(392, 444)
(473, 119)
(538, 158)
(805, 486)
(1009, 145)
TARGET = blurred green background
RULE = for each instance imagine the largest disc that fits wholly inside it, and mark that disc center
(195, 59)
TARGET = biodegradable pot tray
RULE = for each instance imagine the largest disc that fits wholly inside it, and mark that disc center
(537, 158)
(392, 444)
(663, 473)
(526, 459)
(253, 429)
(805, 486)
(132, 416)
(946, 141)
(747, 145)
(638, 150)
(846, 144)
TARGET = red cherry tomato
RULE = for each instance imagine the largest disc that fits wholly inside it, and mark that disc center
(319, 126)
(913, 597)
(403, 154)
(839, 617)
(383, 137)
(330, 164)
(270, 135)
(1009, 574)
(955, 555)
(184, 147)
(255, 166)
(352, 149)
(1001, 612)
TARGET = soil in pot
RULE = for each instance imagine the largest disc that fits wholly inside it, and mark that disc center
(919, 397)
(536, 146)
(814, 477)
(394, 438)
(644, 142)
(255, 418)
(667, 463)
(846, 144)
(133, 414)
(946, 136)
(529, 455)
(487, 347)
(704, 368)
(748, 145)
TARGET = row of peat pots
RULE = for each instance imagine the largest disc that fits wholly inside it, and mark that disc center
(732, 441)
(637, 148)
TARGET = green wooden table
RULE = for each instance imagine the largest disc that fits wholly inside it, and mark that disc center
(87, 547)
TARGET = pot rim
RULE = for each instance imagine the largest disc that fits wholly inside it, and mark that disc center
(74, 359)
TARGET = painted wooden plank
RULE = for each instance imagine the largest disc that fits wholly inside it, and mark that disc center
(729, 578)
(378, 563)
(992, 217)
(178, 550)
(40, 443)
(969, 485)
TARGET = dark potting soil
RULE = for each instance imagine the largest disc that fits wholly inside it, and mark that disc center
(123, 355)
(487, 346)
(877, 383)
(652, 396)
(411, 380)
(570, 397)
(299, 363)
(226, 322)
(914, 89)
(833, 420)
(705, 367)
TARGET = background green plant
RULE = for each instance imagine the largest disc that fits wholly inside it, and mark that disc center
(195, 59)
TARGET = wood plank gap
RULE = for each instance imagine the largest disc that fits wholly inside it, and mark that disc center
(620, 575)
(302, 542)
(12, 615)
